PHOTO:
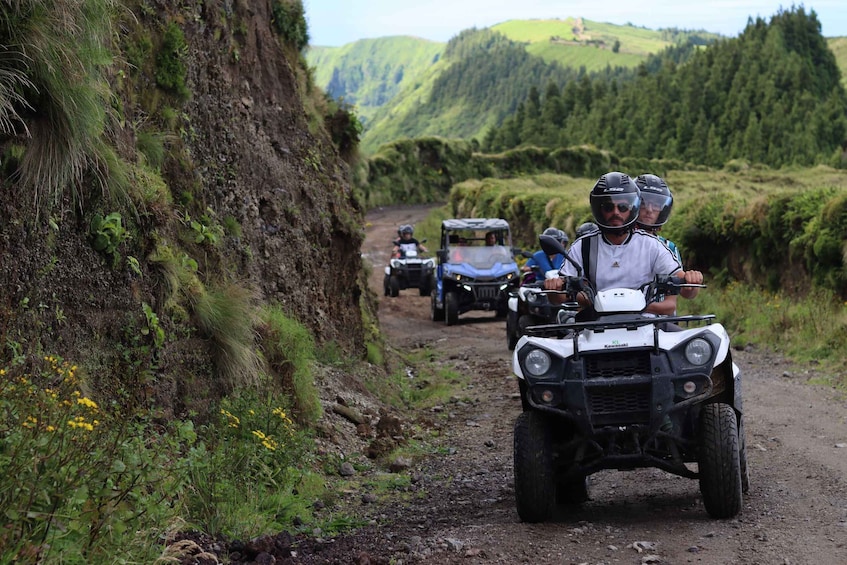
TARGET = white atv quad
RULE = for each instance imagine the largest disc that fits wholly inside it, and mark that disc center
(625, 391)
(410, 270)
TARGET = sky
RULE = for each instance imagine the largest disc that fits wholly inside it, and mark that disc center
(336, 22)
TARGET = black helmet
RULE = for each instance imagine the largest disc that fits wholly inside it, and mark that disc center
(654, 194)
(615, 189)
(406, 228)
(557, 234)
(586, 228)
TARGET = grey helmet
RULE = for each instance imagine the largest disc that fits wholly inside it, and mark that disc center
(610, 188)
(556, 234)
(656, 194)
(406, 228)
(586, 228)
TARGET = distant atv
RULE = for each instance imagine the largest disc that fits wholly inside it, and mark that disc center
(471, 275)
(624, 391)
(409, 271)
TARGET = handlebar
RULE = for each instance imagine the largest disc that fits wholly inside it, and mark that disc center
(661, 285)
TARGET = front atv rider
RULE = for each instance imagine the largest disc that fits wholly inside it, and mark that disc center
(618, 256)
(406, 242)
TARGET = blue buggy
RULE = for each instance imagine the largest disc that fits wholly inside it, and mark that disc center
(476, 268)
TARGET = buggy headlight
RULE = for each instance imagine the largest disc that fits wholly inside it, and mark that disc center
(698, 351)
(537, 362)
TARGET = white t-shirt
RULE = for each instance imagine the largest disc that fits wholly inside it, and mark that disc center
(629, 265)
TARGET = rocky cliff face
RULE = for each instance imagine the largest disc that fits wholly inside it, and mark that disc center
(239, 149)
(260, 163)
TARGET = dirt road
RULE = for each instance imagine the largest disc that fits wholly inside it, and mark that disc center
(796, 511)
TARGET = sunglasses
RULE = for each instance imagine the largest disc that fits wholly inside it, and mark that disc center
(610, 207)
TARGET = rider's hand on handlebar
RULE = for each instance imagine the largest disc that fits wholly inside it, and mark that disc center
(693, 277)
(556, 283)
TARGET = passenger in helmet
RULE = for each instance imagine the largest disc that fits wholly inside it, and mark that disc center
(540, 262)
(619, 256)
(586, 228)
(656, 206)
(406, 241)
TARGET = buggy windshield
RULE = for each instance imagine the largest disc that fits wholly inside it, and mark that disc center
(480, 257)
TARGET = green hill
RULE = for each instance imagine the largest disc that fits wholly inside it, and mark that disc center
(575, 42)
(838, 46)
(392, 80)
(370, 72)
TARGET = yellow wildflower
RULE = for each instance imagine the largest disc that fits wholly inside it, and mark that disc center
(85, 401)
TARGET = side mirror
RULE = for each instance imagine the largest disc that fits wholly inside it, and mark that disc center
(526, 254)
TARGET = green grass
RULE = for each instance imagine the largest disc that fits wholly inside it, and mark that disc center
(573, 50)
(838, 46)
(807, 329)
(290, 351)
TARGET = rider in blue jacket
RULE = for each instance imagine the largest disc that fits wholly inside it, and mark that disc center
(546, 262)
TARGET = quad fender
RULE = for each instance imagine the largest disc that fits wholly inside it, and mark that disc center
(736, 378)
(388, 270)
(513, 303)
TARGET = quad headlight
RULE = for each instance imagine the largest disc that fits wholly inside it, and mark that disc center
(537, 362)
(698, 351)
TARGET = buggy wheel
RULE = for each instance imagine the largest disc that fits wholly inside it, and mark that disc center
(394, 285)
(512, 330)
(534, 486)
(742, 455)
(436, 314)
(719, 461)
(451, 308)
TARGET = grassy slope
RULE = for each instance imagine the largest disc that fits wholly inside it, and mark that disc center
(636, 43)
(371, 66)
(838, 45)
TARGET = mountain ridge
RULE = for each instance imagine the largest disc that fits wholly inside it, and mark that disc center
(364, 73)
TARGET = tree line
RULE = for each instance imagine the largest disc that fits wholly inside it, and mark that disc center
(772, 95)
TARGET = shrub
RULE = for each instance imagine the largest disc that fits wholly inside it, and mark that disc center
(289, 21)
(170, 65)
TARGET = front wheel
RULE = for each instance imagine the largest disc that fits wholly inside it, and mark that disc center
(394, 286)
(427, 284)
(386, 285)
(436, 314)
(719, 461)
(451, 308)
(512, 336)
(534, 485)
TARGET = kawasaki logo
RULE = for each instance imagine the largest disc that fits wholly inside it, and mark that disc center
(615, 344)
